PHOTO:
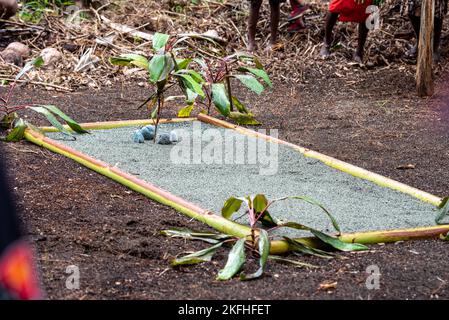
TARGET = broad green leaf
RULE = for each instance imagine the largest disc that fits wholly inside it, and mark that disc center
(130, 58)
(185, 112)
(294, 225)
(120, 61)
(137, 60)
(52, 119)
(236, 259)
(160, 40)
(250, 82)
(293, 262)
(443, 211)
(182, 63)
(192, 84)
(260, 202)
(70, 122)
(30, 65)
(169, 66)
(243, 118)
(231, 206)
(315, 203)
(156, 67)
(195, 75)
(302, 248)
(17, 132)
(220, 98)
(195, 235)
(239, 105)
(204, 255)
(264, 251)
(259, 73)
(337, 243)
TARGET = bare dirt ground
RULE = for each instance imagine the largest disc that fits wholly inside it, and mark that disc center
(370, 117)
(77, 217)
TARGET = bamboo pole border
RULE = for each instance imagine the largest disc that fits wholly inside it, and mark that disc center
(211, 219)
(332, 162)
(118, 124)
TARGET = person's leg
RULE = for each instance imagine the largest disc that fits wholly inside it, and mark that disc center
(415, 21)
(275, 7)
(252, 23)
(331, 20)
(363, 34)
(8, 8)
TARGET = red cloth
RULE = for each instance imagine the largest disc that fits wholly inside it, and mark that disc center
(349, 10)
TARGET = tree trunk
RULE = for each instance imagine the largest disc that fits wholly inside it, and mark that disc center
(424, 74)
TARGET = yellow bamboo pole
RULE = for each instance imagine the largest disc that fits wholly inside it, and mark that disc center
(332, 162)
(118, 124)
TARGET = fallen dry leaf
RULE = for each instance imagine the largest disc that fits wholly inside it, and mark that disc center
(328, 285)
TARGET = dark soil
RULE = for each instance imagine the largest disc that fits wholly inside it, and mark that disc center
(77, 217)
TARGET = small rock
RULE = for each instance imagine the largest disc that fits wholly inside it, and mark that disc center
(16, 53)
(12, 57)
(148, 132)
(22, 49)
(174, 137)
(50, 56)
(164, 138)
(138, 137)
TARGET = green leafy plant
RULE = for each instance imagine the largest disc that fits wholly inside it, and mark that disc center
(165, 70)
(219, 73)
(443, 211)
(204, 81)
(15, 126)
(33, 10)
(258, 244)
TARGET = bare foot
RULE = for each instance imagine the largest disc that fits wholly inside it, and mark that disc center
(412, 53)
(325, 51)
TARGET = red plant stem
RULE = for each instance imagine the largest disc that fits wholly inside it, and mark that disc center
(228, 83)
(209, 98)
(263, 211)
(11, 89)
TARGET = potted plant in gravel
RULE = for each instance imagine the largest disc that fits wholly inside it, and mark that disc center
(202, 81)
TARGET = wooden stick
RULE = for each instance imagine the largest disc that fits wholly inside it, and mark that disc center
(424, 74)
(126, 29)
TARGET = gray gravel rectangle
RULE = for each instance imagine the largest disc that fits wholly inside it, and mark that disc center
(358, 205)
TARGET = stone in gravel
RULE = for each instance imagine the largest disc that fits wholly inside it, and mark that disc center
(164, 138)
(174, 136)
(138, 137)
(148, 132)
